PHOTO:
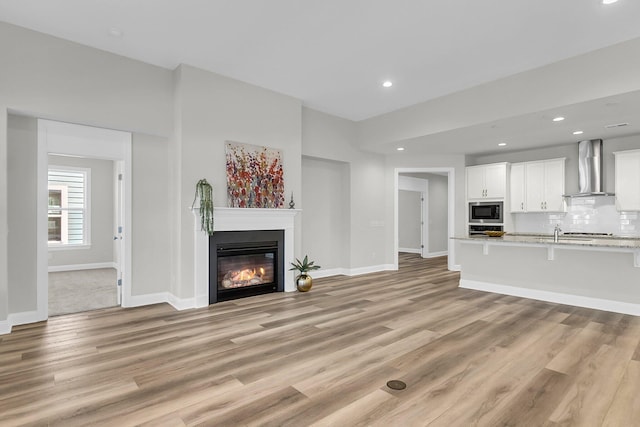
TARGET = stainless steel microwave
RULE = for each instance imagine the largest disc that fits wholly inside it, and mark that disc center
(486, 212)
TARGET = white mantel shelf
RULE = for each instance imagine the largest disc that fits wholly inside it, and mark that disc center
(241, 219)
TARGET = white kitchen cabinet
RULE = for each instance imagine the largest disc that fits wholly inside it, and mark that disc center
(517, 184)
(487, 181)
(537, 186)
(627, 173)
(544, 186)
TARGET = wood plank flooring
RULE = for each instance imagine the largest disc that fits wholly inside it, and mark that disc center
(323, 358)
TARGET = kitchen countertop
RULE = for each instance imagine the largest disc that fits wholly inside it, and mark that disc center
(547, 239)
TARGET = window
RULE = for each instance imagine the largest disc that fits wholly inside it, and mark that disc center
(68, 215)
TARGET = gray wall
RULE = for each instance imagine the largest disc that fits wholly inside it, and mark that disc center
(331, 138)
(46, 77)
(438, 213)
(211, 110)
(325, 225)
(102, 214)
(22, 238)
(409, 219)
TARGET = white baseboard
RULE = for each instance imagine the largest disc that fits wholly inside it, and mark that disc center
(202, 301)
(559, 298)
(436, 254)
(159, 298)
(147, 299)
(181, 303)
(352, 271)
(410, 250)
(22, 318)
(5, 327)
(92, 266)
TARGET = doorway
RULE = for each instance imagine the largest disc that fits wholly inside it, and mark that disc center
(445, 229)
(82, 267)
(98, 250)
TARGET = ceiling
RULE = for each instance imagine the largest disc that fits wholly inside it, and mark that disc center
(334, 54)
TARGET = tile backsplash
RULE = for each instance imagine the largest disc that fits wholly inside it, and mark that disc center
(584, 214)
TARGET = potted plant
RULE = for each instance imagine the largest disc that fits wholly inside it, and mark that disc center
(303, 280)
(204, 192)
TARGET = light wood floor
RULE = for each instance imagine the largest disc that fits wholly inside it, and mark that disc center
(323, 358)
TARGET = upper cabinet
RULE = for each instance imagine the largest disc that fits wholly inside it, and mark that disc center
(487, 181)
(627, 174)
(537, 186)
(518, 188)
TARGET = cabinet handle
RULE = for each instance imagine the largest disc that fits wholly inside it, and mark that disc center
(541, 205)
(521, 205)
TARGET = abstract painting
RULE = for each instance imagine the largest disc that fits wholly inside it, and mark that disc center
(254, 176)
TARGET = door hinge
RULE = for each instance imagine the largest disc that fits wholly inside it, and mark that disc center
(120, 229)
(119, 282)
(119, 177)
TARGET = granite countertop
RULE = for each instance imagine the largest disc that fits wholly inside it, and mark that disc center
(547, 239)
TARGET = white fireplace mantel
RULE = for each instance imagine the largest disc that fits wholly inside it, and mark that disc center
(239, 219)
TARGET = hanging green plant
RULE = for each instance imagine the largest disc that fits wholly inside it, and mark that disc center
(204, 192)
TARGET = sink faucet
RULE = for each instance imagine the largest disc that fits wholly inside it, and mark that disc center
(556, 232)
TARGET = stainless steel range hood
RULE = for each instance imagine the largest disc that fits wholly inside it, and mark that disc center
(590, 170)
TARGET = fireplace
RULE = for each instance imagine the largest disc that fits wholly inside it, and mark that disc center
(245, 263)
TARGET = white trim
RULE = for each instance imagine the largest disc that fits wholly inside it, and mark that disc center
(67, 247)
(84, 141)
(559, 298)
(15, 319)
(353, 271)
(75, 267)
(181, 303)
(410, 250)
(147, 299)
(436, 254)
(451, 198)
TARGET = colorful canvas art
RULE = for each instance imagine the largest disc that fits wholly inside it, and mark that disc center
(254, 176)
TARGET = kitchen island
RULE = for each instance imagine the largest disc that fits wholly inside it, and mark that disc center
(594, 272)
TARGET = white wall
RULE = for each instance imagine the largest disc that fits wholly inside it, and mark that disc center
(101, 211)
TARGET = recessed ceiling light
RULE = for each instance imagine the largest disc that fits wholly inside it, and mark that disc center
(387, 83)
(558, 119)
(115, 32)
(400, 148)
(502, 144)
(578, 132)
(608, 1)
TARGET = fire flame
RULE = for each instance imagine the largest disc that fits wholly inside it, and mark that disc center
(245, 274)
